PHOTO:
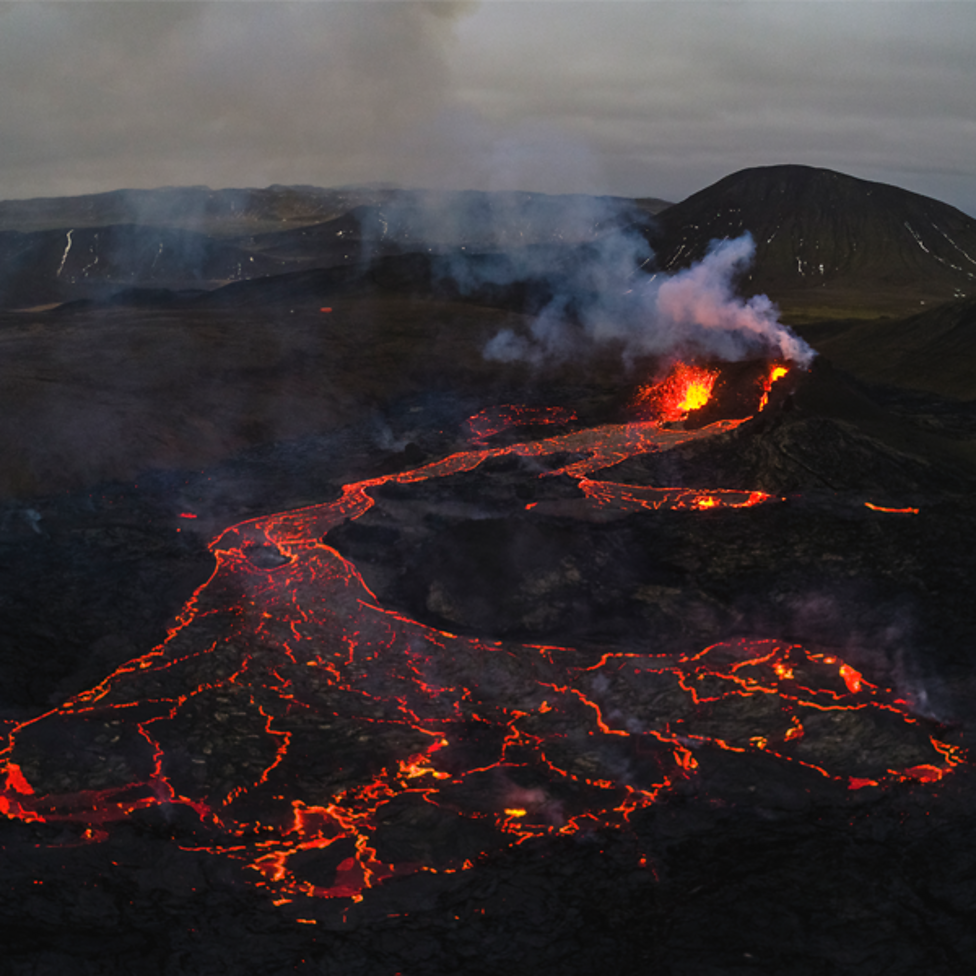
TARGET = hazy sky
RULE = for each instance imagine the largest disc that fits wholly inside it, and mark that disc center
(634, 98)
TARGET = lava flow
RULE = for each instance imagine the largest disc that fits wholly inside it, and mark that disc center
(330, 743)
(494, 420)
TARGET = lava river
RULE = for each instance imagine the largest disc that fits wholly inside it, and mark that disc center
(293, 721)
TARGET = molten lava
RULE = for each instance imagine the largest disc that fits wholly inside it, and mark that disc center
(685, 388)
(494, 420)
(893, 511)
(295, 717)
(775, 373)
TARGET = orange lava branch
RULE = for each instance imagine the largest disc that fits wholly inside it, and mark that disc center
(894, 511)
(17, 782)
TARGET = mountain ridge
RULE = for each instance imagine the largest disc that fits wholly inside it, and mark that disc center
(827, 245)
(825, 239)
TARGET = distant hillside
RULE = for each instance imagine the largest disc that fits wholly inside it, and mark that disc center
(191, 238)
(653, 205)
(933, 351)
(52, 266)
(828, 246)
(828, 243)
(472, 220)
(197, 208)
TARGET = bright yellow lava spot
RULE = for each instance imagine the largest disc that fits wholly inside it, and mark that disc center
(697, 394)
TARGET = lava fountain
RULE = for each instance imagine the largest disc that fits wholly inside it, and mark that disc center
(684, 389)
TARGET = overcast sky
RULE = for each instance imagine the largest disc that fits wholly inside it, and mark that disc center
(632, 98)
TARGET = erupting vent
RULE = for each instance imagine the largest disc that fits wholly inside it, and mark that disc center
(686, 388)
(297, 718)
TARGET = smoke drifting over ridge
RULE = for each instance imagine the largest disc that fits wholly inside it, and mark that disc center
(699, 304)
(692, 313)
(585, 270)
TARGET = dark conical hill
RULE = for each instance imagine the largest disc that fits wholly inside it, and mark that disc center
(830, 242)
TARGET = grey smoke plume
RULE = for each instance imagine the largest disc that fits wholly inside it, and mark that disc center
(692, 313)
(582, 261)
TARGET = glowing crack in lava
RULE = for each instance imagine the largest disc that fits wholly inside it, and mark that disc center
(493, 420)
(299, 723)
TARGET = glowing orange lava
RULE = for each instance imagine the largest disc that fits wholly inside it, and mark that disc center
(685, 388)
(494, 420)
(775, 373)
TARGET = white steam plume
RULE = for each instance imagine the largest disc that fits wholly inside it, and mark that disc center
(583, 259)
(701, 302)
(694, 312)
